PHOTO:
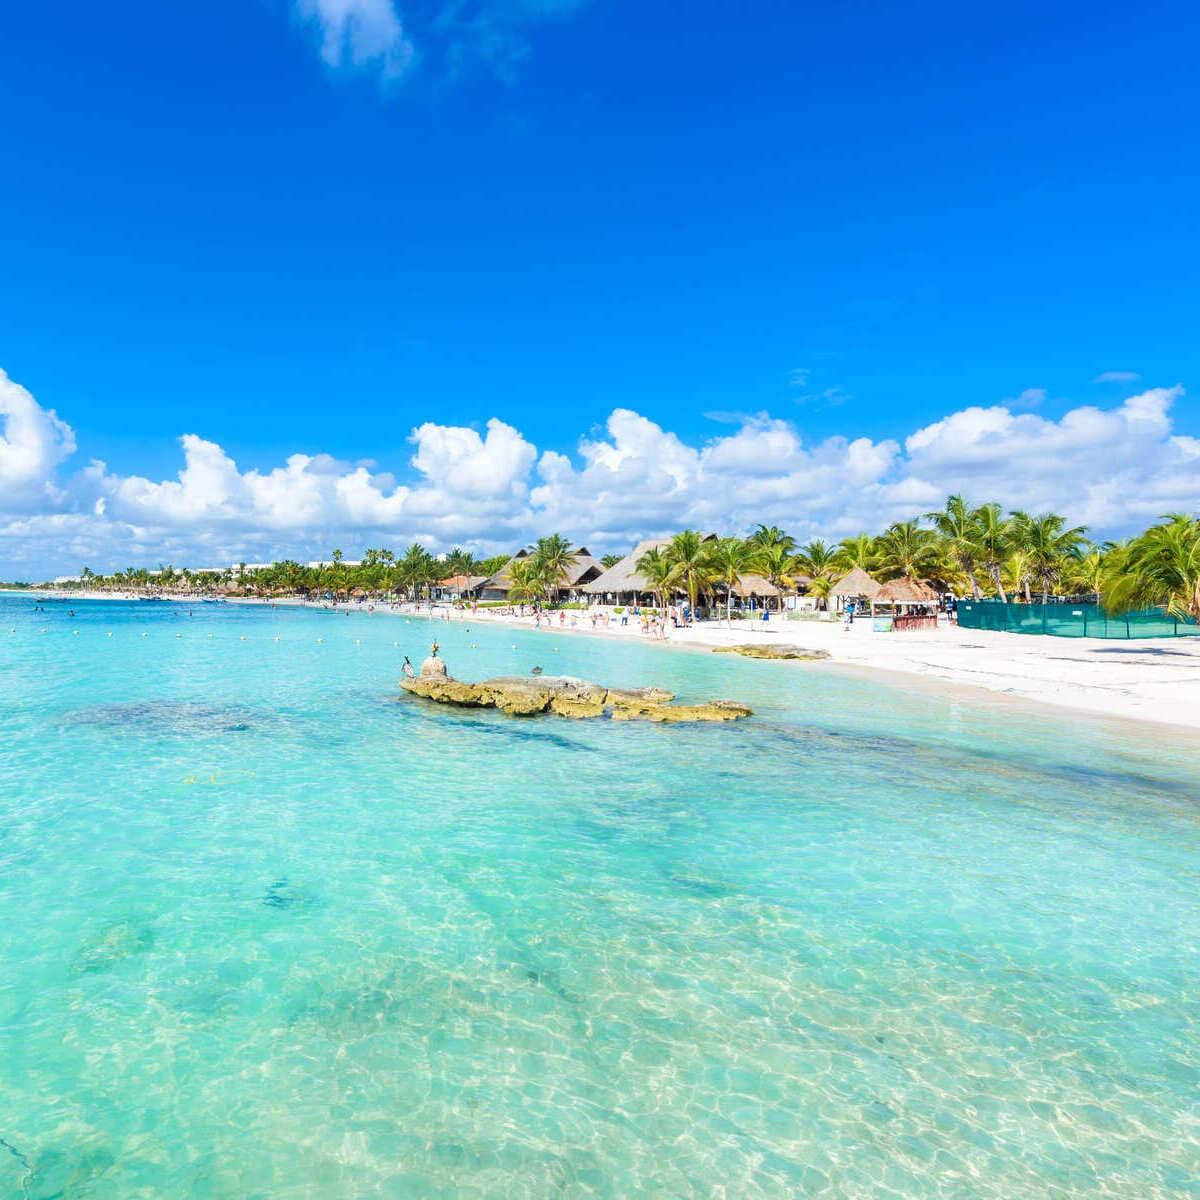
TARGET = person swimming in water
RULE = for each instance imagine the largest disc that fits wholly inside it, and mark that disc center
(536, 671)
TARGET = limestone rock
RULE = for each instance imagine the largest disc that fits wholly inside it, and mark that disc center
(773, 651)
(639, 697)
(521, 696)
(565, 707)
(446, 690)
(713, 710)
(434, 667)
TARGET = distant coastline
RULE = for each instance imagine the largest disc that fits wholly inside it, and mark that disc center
(1138, 683)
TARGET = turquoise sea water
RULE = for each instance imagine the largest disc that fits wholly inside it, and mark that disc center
(267, 932)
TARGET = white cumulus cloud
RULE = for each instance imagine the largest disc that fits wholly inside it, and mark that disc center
(1114, 469)
(360, 33)
(32, 444)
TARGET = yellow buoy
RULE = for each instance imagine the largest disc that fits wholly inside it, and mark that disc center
(242, 638)
(106, 635)
(358, 641)
(320, 640)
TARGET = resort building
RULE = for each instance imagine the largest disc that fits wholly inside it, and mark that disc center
(459, 587)
(855, 587)
(498, 586)
(758, 590)
(622, 583)
(581, 572)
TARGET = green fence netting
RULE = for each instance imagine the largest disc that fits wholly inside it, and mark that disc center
(1071, 619)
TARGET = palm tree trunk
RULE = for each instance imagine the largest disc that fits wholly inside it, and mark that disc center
(995, 574)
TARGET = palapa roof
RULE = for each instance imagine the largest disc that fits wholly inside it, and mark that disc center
(856, 583)
(755, 585)
(583, 569)
(906, 590)
(623, 576)
(502, 578)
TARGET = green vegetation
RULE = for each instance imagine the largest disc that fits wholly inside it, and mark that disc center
(979, 551)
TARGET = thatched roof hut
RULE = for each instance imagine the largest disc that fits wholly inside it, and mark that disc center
(583, 570)
(905, 591)
(854, 585)
(756, 585)
(497, 586)
(623, 578)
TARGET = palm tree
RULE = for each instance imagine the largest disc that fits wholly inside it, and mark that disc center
(1086, 569)
(730, 559)
(958, 526)
(555, 558)
(458, 562)
(904, 549)
(768, 536)
(610, 560)
(527, 579)
(1048, 544)
(657, 569)
(1020, 571)
(777, 562)
(415, 569)
(819, 588)
(860, 551)
(995, 543)
(820, 562)
(691, 559)
(1160, 568)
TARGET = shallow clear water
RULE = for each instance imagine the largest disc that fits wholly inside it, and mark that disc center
(267, 932)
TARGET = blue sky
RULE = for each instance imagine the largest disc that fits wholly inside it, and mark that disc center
(816, 222)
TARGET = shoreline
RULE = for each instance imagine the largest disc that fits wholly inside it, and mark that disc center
(1147, 681)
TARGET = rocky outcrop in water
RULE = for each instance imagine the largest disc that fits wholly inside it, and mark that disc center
(567, 697)
(754, 650)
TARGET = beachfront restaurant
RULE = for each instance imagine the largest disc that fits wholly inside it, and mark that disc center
(622, 583)
(911, 604)
(855, 587)
(756, 592)
(459, 587)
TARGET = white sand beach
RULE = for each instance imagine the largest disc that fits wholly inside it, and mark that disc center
(1154, 680)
